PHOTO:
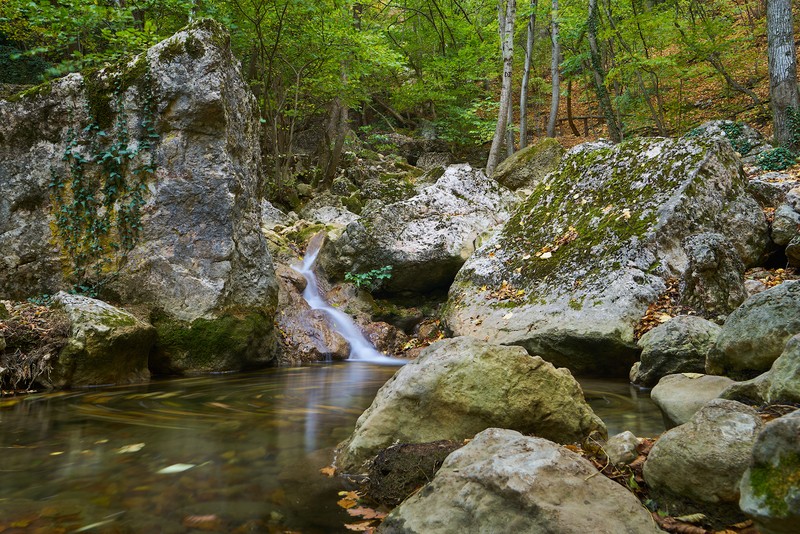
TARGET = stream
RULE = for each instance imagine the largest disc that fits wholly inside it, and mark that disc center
(241, 451)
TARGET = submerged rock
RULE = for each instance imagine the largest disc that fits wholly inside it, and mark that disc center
(770, 488)
(503, 481)
(703, 460)
(578, 263)
(756, 333)
(458, 387)
(425, 238)
(176, 214)
(106, 345)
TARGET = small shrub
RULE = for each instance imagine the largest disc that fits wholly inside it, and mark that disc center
(776, 159)
(370, 280)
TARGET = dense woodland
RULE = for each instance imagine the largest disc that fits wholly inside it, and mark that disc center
(323, 68)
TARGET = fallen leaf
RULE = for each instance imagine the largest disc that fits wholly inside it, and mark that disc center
(363, 526)
(133, 447)
(202, 522)
(175, 468)
(546, 255)
(508, 316)
(328, 471)
(693, 375)
(349, 500)
(366, 513)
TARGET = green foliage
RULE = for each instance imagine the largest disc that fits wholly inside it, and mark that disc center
(793, 117)
(733, 130)
(776, 159)
(370, 280)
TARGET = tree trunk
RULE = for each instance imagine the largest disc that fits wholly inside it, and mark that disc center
(510, 132)
(782, 71)
(551, 123)
(506, 17)
(526, 76)
(599, 77)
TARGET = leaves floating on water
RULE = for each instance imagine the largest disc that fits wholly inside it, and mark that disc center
(202, 522)
(328, 471)
(133, 447)
(366, 513)
(175, 468)
(349, 499)
(107, 520)
(364, 526)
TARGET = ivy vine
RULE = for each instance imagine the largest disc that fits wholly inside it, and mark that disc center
(98, 195)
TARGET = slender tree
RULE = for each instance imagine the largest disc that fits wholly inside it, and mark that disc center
(599, 76)
(506, 11)
(526, 76)
(782, 71)
(551, 123)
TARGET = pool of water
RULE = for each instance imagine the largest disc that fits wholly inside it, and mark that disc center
(231, 453)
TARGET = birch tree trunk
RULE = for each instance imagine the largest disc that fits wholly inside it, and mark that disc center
(782, 70)
(526, 76)
(506, 10)
(551, 123)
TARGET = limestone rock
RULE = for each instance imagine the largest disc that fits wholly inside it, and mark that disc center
(679, 396)
(427, 237)
(770, 488)
(431, 160)
(781, 384)
(785, 224)
(744, 139)
(191, 251)
(621, 449)
(770, 189)
(755, 334)
(678, 346)
(106, 345)
(503, 481)
(458, 387)
(529, 166)
(579, 262)
(714, 279)
(386, 338)
(703, 460)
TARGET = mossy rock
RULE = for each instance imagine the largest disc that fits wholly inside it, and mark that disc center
(576, 266)
(529, 166)
(233, 341)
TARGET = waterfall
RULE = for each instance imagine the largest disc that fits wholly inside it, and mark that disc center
(360, 348)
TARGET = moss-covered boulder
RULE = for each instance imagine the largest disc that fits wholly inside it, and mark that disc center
(458, 387)
(770, 488)
(529, 166)
(578, 263)
(160, 153)
(425, 238)
(106, 345)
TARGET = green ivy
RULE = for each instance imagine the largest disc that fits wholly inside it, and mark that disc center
(98, 194)
(370, 280)
(734, 131)
(776, 159)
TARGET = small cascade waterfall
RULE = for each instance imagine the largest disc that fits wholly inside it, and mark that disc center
(360, 348)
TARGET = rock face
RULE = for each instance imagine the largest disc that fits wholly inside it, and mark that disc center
(529, 166)
(458, 387)
(781, 384)
(714, 279)
(770, 488)
(426, 238)
(106, 345)
(755, 334)
(176, 212)
(703, 460)
(503, 481)
(744, 139)
(578, 263)
(679, 396)
(678, 346)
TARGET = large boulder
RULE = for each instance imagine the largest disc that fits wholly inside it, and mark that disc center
(770, 488)
(714, 278)
(756, 333)
(529, 166)
(458, 387)
(680, 396)
(162, 157)
(579, 262)
(781, 384)
(703, 460)
(427, 237)
(678, 346)
(106, 345)
(744, 139)
(503, 481)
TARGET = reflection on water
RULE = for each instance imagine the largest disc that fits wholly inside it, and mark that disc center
(241, 451)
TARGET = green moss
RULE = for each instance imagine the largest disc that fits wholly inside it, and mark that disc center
(171, 49)
(99, 93)
(194, 47)
(117, 320)
(37, 91)
(773, 484)
(576, 304)
(203, 343)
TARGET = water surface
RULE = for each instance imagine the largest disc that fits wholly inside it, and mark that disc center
(245, 449)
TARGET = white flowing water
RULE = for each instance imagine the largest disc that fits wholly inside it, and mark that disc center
(360, 348)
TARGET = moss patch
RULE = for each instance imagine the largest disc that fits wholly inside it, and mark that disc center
(773, 483)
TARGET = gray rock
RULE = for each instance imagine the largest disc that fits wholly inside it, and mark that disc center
(621, 449)
(785, 224)
(503, 481)
(427, 237)
(199, 263)
(431, 160)
(272, 216)
(714, 279)
(754, 286)
(793, 251)
(755, 334)
(770, 189)
(781, 384)
(679, 396)
(579, 262)
(458, 387)
(746, 140)
(529, 166)
(106, 345)
(770, 488)
(327, 208)
(678, 346)
(703, 460)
